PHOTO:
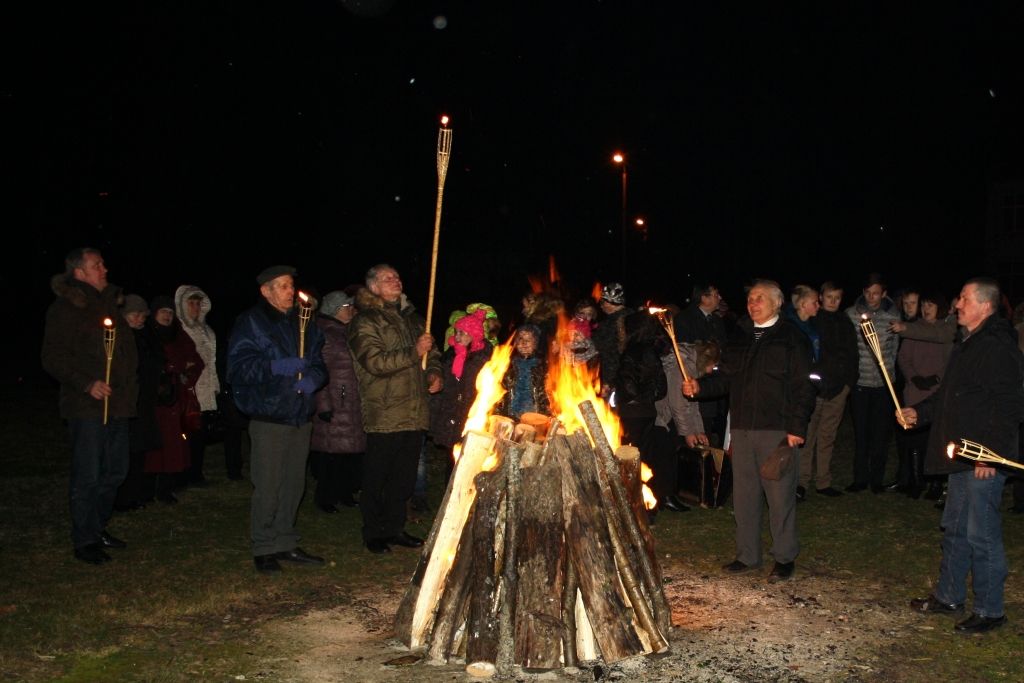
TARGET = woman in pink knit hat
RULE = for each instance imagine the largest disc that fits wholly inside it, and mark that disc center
(468, 351)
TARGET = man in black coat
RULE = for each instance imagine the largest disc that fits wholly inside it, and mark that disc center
(766, 374)
(981, 399)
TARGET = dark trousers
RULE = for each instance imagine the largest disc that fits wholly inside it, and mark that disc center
(389, 475)
(235, 425)
(136, 487)
(197, 452)
(99, 463)
(338, 476)
(278, 472)
(873, 418)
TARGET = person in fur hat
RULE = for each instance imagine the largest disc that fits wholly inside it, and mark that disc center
(74, 353)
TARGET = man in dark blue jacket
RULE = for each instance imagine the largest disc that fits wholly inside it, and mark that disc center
(981, 398)
(273, 383)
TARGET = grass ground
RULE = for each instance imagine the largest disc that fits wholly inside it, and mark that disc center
(182, 602)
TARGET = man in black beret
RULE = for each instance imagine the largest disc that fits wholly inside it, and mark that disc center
(273, 384)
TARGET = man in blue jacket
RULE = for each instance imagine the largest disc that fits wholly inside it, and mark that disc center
(273, 385)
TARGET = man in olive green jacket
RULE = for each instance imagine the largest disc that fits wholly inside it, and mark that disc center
(388, 341)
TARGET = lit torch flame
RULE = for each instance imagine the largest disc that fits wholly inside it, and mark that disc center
(444, 120)
(650, 501)
(951, 450)
(304, 298)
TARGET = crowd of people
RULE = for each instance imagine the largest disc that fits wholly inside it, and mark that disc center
(362, 396)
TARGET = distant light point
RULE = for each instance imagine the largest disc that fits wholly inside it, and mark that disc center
(991, 92)
(398, 198)
(440, 22)
(411, 81)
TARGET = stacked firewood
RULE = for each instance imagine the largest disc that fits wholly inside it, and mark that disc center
(540, 557)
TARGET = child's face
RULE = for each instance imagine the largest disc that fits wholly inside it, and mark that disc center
(462, 338)
(526, 344)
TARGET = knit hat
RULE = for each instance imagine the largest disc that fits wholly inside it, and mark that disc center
(133, 303)
(613, 294)
(333, 301)
(581, 326)
(473, 325)
(161, 301)
(268, 274)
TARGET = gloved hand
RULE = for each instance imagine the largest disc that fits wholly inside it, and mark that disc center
(288, 366)
(924, 383)
(306, 385)
(326, 416)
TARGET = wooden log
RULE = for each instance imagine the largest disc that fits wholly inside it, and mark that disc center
(628, 458)
(569, 589)
(524, 433)
(451, 606)
(532, 454)
(416, 613)
(590, 549)
(501, 427)
(540, 560)
(586, 646)
(482, 622)
(509, 577)
(619, 507)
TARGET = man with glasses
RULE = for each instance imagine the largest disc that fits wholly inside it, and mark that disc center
(388, 341)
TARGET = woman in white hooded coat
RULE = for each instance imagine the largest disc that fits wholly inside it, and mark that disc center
(192, 305)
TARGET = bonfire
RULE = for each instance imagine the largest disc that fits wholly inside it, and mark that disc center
(541, 555)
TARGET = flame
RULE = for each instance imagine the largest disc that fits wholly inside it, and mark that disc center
(444, 120)
(488, 389)
(951, 450)
(650, 501)
(553, 276)
(596, 292)
(654, 310)
(569, 385)
(107, 322)
(536, 283)
(304, 297)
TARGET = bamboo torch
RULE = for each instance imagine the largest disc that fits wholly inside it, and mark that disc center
(871, 335)
(305, 311)
(975, 451)
(444, 150)
(664, 317)
(109, 337)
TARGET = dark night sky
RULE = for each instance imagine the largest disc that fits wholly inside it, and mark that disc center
(770, 140)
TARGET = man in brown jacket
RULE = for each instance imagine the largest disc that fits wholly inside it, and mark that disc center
(74, 353)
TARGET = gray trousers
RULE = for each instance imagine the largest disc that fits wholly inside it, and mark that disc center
(749, 449)
(278, 470)
(821, 440)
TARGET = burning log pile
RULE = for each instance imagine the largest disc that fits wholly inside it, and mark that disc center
(541, 555)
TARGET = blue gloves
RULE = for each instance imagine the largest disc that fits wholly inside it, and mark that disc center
(306, 385)
(289, 366)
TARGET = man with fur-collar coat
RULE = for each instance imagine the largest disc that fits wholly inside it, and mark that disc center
(74, 353)
(388, 341)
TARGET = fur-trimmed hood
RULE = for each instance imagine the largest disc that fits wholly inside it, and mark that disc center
(366, 300)
(183, 294)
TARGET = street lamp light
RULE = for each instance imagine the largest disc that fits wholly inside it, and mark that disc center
(620, 159)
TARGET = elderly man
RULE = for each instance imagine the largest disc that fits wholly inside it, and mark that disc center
(981, 398)
(388, 341)
(766, 371)
(97, 408)
(274, 385)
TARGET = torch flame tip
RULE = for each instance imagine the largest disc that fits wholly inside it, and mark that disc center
(107, 322)
(444, 119)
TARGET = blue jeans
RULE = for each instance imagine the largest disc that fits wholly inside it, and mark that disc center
(973, 541)
(99, 463)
